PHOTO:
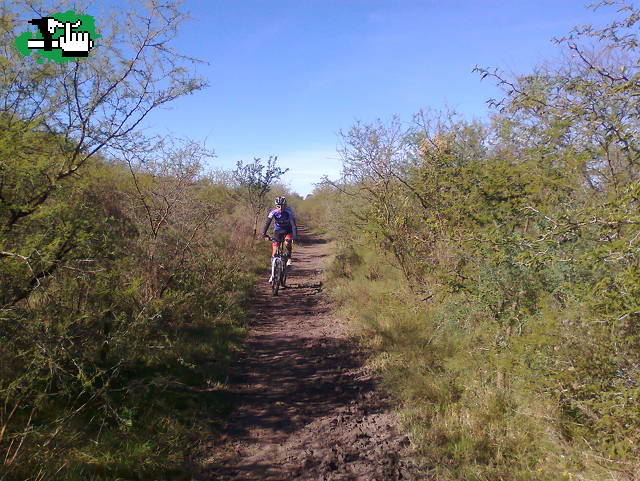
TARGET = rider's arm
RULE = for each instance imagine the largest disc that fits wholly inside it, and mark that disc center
(266, 226)
(294, 227)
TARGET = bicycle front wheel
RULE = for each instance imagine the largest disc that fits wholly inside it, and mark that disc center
(277, 272)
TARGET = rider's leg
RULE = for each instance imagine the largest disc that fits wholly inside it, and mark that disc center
(274, 250)
(278, 237)
(288, 243)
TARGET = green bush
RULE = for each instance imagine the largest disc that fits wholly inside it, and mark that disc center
(496, 275)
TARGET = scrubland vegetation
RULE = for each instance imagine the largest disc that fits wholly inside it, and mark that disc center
(124, 264)
(121, 309)
(493, 267)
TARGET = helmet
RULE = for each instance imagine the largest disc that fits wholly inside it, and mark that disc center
(281, 201)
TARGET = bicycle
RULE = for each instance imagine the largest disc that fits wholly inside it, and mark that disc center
(278, 268)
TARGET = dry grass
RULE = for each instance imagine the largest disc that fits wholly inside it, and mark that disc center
(435, 360)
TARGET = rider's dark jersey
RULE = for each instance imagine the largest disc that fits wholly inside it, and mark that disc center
(285, 220)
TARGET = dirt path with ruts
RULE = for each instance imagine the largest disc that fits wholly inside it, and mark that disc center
(306, 407)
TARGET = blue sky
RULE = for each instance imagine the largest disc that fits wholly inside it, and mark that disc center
(286, 76)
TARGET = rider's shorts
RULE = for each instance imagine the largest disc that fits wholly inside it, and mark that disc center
(279, 235)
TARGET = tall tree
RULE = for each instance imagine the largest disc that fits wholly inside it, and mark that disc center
(57, 116)
(254, 181)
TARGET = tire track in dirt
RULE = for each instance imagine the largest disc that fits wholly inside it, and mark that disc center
(306, 408)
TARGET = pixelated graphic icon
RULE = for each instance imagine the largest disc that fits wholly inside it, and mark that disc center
(60, 37)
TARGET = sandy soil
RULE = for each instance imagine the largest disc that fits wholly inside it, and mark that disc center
(306, 407)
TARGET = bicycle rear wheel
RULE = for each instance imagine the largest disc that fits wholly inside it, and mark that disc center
(277, 272)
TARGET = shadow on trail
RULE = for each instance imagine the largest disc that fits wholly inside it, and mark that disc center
(295, 378)
(300, 380)
(303, 384)
(311, 239)
(317, 286)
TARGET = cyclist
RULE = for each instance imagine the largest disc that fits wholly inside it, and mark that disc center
(284, 227)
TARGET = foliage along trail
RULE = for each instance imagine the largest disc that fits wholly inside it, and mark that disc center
(306, 406)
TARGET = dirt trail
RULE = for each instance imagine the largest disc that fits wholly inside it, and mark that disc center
(306, 408)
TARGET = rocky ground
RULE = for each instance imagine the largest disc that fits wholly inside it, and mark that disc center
(306, 406)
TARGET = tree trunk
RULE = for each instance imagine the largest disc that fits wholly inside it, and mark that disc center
(255, 228)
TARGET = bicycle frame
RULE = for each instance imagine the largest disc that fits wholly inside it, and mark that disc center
(278, 268)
